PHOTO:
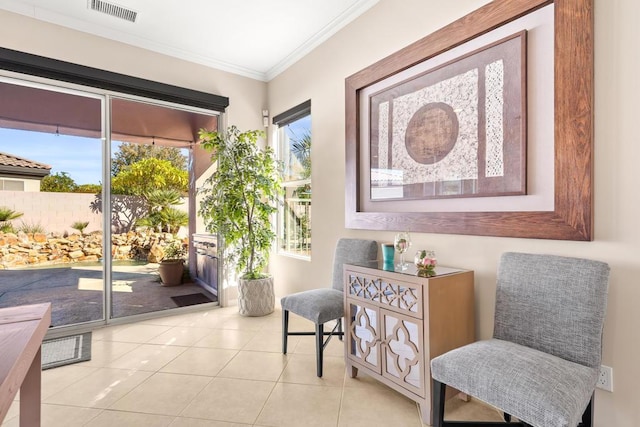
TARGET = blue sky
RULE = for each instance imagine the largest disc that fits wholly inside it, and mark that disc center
(79, 157)
(297, 129)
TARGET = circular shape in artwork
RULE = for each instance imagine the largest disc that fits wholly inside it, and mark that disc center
(432, 133)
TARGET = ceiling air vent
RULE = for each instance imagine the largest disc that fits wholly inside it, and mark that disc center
(113, 10)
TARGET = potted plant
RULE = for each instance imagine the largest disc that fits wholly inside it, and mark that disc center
(238, 201)
(172, 264)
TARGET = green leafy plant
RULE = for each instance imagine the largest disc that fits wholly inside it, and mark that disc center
(147, 175)
(240, 196)
(174, 219)
(301, 148)
(6, 216)
(31, 227)
(162, 215)
(89, 188)
(58, 183)
(174, 250)
(80, 226)
(129, 153)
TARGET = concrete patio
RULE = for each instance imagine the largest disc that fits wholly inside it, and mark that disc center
(75, 290)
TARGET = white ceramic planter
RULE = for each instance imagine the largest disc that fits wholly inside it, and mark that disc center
(256, 297)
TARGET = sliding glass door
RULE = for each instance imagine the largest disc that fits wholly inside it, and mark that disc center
(95, 189)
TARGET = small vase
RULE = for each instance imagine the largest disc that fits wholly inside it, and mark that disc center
(425, 262)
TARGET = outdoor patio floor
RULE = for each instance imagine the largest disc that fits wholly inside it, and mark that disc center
(75, 291)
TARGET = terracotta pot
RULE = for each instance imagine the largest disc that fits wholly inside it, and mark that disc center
(171, 272)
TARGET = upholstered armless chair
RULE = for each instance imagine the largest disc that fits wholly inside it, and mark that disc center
(323, 305)
(543, 361)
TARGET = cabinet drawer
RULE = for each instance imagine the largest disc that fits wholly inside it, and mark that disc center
(385, 291)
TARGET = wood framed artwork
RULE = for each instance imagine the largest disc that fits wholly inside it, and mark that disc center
(484, 127)
(442, 133)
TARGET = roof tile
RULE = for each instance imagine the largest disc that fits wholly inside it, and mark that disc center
(11, 160)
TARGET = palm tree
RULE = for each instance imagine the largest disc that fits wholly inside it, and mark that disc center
(162, 215)
(174, 219)
(7, 215)
(301, 148)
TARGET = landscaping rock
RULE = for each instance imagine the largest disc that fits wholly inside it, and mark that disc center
(20, 250)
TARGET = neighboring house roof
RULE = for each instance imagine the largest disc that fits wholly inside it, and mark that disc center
(14, 165)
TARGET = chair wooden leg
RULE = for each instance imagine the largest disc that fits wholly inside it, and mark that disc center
(340, 334)
(437, 399)
(319, 348)
(285, 330)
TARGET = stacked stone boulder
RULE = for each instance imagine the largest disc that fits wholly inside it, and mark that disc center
(32, 249)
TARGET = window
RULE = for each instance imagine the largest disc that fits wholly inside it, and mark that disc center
(11, 185)
(294, 152)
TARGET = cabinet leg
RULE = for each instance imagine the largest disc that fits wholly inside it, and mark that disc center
(425, 412)
(352, 370)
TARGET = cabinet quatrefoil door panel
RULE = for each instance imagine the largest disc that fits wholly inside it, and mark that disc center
(403, 349)
(364, 336)
(396, 322)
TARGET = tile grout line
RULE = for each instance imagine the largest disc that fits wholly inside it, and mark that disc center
(272, 389)
(344, 385)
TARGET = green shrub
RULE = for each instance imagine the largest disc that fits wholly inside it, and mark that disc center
(80, 225)
(33, 227)
(7, 227)
(174, 250)
(6, 215)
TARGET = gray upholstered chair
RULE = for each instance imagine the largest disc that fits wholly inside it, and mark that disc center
(323, 305)
(542, 363)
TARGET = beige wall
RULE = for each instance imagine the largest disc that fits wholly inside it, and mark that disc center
(55, 212)
(388, 27)
(247, 96)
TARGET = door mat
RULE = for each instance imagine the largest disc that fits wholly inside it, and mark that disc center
(66, 350)
(192, 299)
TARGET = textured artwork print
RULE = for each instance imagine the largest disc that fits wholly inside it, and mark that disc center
(458, 130)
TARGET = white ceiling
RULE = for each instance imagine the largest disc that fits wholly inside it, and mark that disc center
(253, 38)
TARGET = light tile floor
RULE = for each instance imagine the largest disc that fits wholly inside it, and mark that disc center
(215, 368)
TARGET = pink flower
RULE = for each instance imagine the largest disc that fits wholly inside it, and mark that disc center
(425, 262)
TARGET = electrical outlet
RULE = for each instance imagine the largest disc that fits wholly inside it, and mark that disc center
(605, 379)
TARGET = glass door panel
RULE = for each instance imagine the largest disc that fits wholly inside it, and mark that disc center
(152, 207)
(50, 185)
